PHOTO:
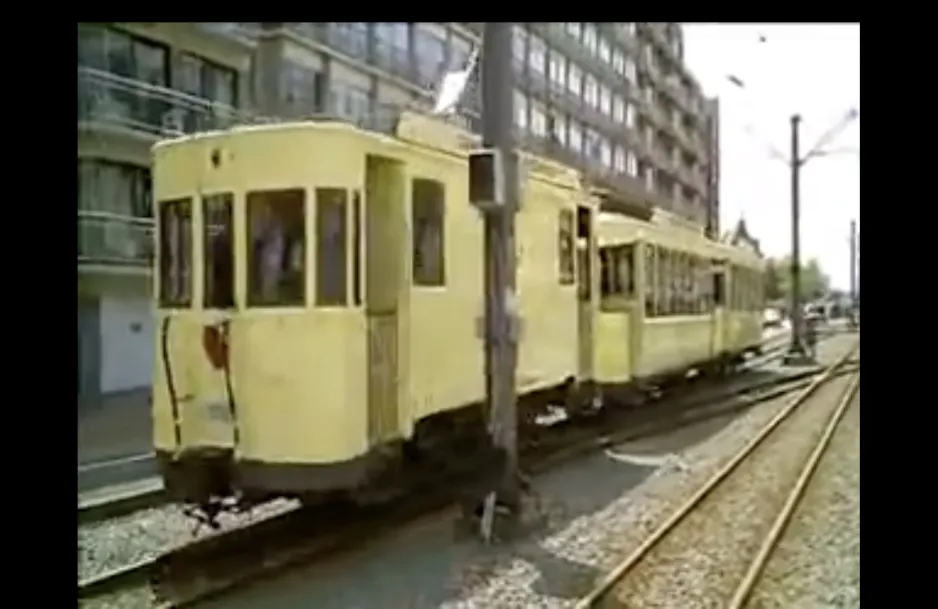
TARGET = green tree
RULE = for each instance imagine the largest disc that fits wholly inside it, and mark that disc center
(814, 282)
(773, 286)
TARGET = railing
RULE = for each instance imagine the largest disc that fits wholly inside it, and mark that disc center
(114, 240)
(115, 101)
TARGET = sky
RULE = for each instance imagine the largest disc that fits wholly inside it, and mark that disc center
(811, 70)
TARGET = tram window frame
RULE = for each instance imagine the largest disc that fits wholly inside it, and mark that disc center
(428, 219)
(608, 279)
(175, 266)
(357, 257)
(648, 259)
(331, 247)
(566, 247)
(218, 261)
(287, 208)
(663, 274)
(718, 276)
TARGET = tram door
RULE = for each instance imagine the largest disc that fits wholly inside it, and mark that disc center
(384, 223)
(717, 339)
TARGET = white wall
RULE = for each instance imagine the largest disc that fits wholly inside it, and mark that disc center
(126, 343)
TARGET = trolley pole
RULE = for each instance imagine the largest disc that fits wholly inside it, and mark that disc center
(796, 354)
(501, 323)
(852, 319)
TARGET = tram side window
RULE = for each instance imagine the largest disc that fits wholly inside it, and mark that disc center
(331, 250)
(218, 251)
(276, 224)
(608, 281)
(719, 288)
(650, 281)
(428, 208)
(356, 248)
(663, 302)
(175, 261)
(566, 246)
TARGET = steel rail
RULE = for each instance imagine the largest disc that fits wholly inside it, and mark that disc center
(599, 591)
(759, 561)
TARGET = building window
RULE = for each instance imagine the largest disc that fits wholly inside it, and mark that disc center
(558, 69)
(574, 79)
(276, 226)
(331, 248)
(460, 49)
(618, 109)
(591, 148)
(630, 115)
(605, 100)
(618, 61)
(521, 111)
(631, 164)
(590, 90)
(618, 159)
(349, 101)
(605, 51)
(559, 128)
(630, 72)
(205, 80)
(590, 37)
(538, 54)
(519, 44)
(573, 29)
(302, 88)
(538, 120)
(119, 53)
(174, 224)
(394, 35)
(430, 51)
(605, 152)
(576, 137)
(116, 188)
(428, 213)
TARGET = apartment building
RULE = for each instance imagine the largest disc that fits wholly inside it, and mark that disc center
(613, 99)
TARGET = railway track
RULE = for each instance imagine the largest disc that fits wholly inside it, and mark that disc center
(125, 499)
(217, 563)
(712, 550)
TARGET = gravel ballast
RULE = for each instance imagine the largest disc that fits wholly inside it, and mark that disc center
(593, 544)
(108, 545)
(703, 558)
(817, 562)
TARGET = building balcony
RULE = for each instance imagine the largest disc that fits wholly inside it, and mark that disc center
(110, 102)
(658, 33)
(563, 44)
(674, 90)
(619, 33)
(117, 242)
(344, 39)
(244, 34)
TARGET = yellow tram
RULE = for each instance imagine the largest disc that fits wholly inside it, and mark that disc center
(320, 290)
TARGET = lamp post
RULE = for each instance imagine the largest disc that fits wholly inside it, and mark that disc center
(797, 355)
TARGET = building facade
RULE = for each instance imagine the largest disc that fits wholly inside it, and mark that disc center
(613, 99)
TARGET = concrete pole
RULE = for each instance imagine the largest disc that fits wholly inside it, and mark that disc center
(796, 352)
(501, 323)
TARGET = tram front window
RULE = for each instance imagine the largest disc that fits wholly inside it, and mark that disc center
(276, 221)
(218, 252)
(175, 255)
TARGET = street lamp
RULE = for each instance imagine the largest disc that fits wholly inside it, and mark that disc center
(797, 355)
